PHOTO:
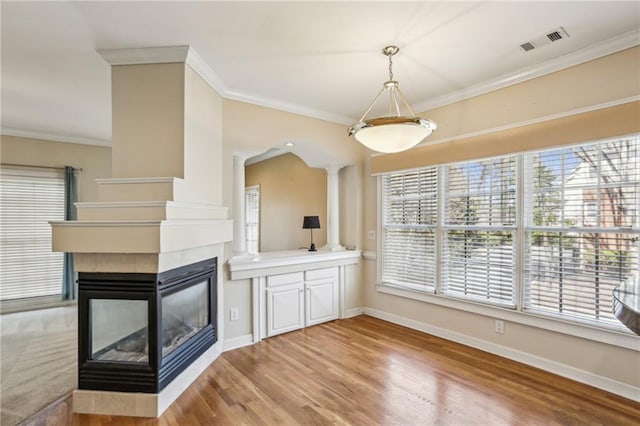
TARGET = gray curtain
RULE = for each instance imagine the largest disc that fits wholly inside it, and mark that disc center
(70, 197)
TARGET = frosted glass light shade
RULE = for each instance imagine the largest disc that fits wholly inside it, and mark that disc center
(392, 134)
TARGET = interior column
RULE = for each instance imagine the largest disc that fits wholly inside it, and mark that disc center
(333, 213)
(239, 234)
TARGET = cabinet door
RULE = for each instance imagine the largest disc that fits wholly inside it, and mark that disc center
(321, 300)
(285, 308)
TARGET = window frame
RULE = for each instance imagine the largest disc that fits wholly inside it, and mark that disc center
(248, 238)
(614, 335)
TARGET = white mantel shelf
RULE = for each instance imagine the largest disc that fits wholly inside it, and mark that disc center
(282, 262)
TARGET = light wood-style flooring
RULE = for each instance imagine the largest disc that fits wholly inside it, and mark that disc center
(364, 371)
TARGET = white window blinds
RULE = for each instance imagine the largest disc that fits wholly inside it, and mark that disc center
(581, 228)
(409, 222)
(479, 230)
(29, 199)
(252, 217)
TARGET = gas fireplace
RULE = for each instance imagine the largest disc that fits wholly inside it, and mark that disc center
(137, 332)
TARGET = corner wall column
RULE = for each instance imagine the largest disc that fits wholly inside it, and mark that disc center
(239, 234)
(333, 212)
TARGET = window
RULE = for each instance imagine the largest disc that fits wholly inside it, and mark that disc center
(409, 216)
(582, 228)
(252, 218)
(29, 199)
(550, 233)
(479, 228)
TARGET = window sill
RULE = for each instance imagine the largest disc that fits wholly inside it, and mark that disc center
(616, 337)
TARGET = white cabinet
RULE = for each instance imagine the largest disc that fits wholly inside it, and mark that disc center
(301, 299)
(321, 296)
(285, 303)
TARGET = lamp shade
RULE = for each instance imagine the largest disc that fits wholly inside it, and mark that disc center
(392, 134)
(311, 222)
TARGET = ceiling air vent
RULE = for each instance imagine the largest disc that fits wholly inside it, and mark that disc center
(550, 37)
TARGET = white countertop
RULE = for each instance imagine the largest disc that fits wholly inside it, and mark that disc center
(256, 264)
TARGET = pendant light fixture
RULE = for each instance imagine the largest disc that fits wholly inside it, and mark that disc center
(395, 132)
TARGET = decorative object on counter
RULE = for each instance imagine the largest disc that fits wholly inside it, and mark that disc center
(311, 223)
(394, 132)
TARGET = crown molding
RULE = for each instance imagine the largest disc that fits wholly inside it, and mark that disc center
(145, 55)
(54, 137)
(188, 55)
(595, 51)
(165, 55)
(288, 107)
(202, 68)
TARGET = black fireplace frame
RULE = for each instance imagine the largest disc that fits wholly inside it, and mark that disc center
(154, 376)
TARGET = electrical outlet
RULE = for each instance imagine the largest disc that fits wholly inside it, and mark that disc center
(234, 314)
(499, 326)
(371, 235)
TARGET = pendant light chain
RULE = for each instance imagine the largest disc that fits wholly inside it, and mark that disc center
(390, 68)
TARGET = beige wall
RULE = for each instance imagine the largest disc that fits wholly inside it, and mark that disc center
(609, 79)
(254, 129)
(289, 190)
(202, 139)
(148, 124)
(95, 161)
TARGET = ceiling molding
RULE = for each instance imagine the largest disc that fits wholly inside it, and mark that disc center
(165, 55)
(288, 107)
(202, 68)
(595, 51)
(55, 137)
(145, 55)
(598, 50)
(172, 54)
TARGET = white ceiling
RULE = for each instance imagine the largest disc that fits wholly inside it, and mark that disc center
(320, 59)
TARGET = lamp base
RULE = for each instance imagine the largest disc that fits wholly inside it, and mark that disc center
(313, 247)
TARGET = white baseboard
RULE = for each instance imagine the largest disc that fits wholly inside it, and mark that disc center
(586, 377)
(237, 342)
(354, 312)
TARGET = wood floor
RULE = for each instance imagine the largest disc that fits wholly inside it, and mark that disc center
(364, 371)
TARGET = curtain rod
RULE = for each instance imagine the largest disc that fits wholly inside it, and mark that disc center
(75, 169)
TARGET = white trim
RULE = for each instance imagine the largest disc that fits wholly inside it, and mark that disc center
(54, 137)
(256, 263)
(188, 55)
(168, 203)
(104, 223)
(510, 126)
(582, 376)
(288, 107)
(237, 342)
(595, 51)
(133, 181)
(145, 55)
(370, 255)
(354, 312)
(622, 338)
(197, 64)
(135, 222)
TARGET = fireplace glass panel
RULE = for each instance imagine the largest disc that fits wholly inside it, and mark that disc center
(184, 313)
(119, 330)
